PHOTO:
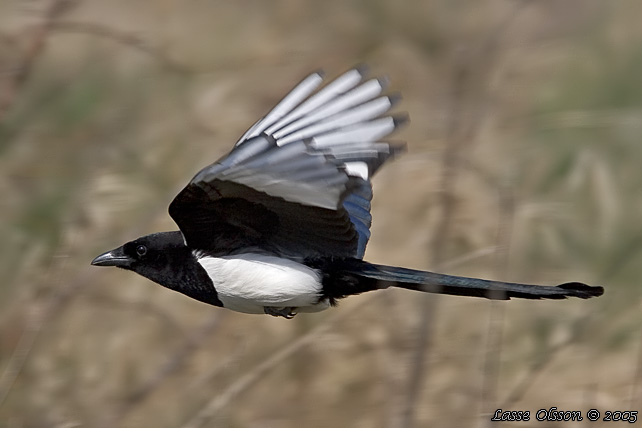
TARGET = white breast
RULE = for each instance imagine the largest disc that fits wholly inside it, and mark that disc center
(249, 282)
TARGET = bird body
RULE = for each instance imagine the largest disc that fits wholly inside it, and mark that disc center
(280, 224)
(249, 282)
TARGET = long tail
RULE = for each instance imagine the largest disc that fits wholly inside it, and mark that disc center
(356, 276)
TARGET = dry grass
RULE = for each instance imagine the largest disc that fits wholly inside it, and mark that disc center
(124, 101)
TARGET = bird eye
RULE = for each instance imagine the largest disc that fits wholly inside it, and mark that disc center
(141, 250)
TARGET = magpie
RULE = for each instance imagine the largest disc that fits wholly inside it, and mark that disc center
(280, 224)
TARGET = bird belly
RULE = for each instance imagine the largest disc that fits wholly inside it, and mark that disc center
(249, 282)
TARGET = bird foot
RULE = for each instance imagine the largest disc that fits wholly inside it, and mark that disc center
(287, 313)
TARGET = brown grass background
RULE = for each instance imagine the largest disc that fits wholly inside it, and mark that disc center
(523, 164)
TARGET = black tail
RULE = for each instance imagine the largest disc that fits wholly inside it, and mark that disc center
(347, 277)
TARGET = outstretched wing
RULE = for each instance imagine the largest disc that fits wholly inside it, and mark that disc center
(297, 184)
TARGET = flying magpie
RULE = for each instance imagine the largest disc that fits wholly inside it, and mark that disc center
(280, 224)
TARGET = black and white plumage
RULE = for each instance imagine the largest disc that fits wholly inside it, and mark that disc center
(280, 224)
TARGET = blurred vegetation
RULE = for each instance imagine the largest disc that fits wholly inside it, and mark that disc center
(125, 101)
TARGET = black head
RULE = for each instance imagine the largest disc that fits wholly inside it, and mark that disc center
(151, 256)
(165, 259)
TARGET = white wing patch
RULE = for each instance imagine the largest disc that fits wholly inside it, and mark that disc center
(359, 133)
(335, 108)
(347, 112)
(340, 85)
(291, 100)
(357, 169)
(360, 114)
(249, 282)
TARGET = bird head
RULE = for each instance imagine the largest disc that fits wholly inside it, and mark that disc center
(149, 256)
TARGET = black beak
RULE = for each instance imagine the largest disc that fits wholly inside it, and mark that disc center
(115, 257)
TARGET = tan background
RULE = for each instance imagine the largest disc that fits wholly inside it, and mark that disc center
(108, 108)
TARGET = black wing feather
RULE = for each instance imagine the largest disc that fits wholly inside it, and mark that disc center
(221, 218)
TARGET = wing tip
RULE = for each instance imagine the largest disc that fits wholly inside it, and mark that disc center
(394, 99)
(400, 119)
(397, 148)
(362, 68)
(383, 81)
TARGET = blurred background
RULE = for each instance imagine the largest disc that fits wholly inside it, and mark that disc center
(523, 165)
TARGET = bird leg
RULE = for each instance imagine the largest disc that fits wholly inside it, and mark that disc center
(287, 313)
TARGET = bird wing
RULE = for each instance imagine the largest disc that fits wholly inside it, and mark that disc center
(298, 182)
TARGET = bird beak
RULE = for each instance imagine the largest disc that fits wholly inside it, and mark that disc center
(115, 257)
